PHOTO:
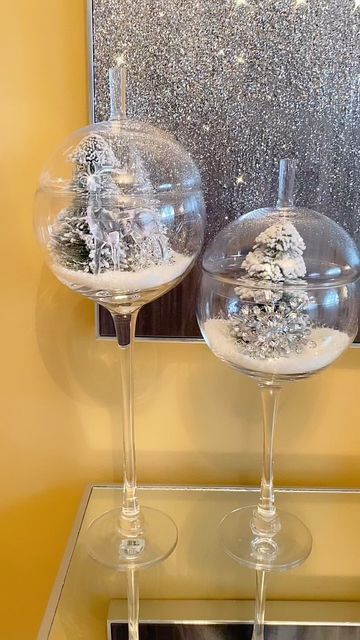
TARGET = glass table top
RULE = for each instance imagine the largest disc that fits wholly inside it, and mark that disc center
(199, 581)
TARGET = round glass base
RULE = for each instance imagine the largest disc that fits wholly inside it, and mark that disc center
(116, 545)
(287, 548)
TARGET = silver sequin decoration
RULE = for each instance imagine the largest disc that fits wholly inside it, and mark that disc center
(243, 83)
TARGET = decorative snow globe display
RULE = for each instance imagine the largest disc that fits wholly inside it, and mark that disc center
(278, 302)
(120, 215)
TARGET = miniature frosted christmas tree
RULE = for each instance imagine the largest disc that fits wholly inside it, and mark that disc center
(277, 254)
(88, 236)
(273, 322)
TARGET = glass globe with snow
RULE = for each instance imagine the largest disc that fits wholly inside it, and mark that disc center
(120, 215)
(278, 302)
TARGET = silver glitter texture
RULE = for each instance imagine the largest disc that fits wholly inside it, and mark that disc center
(241, 84)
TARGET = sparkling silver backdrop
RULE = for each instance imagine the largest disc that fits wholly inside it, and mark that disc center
(241, 84)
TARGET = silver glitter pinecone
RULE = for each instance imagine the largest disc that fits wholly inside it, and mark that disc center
(273, 330)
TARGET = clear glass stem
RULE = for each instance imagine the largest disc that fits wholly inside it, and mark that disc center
(265, 521)
(125, 332)
(269, 398)
(258, 630)
(133, 604)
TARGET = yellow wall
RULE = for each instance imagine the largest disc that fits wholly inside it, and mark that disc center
(197, 421)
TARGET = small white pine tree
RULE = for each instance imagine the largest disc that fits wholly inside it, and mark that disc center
(277, 254)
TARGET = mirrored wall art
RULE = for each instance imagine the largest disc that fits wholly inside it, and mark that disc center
(241, 84)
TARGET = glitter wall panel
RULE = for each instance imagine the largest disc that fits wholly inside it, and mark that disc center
(241, 83)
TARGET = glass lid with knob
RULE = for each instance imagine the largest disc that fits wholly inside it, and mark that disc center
(119, 210)
(120, 153)
(312, 250)
(278, 302)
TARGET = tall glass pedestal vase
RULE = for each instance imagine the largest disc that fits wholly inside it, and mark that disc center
(278, 302)
(120, 215)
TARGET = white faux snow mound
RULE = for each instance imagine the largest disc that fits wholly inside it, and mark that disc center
(126, 281)
(330, 343)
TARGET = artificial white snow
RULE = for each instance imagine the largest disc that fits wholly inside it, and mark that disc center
(126, 281)
(330, 343)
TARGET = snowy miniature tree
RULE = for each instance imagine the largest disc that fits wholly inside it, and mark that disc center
(273, 322)
(277, 254)
(92, 236)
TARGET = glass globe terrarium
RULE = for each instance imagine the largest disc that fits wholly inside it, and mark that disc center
(278, 302)
(120, 215)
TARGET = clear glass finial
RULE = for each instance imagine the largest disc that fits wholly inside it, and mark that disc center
(117, 88)
(286, 183)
